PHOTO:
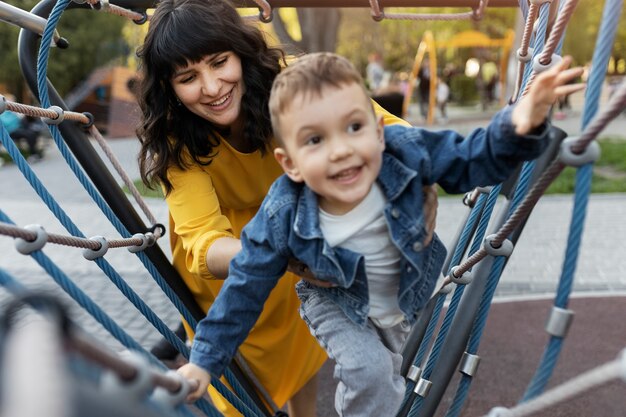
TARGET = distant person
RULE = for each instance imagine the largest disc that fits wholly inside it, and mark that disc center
(375, 72)
(23, 128)
(423, 75)
(443, 95)
(349, 207)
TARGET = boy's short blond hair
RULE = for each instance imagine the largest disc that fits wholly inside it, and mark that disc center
(309, 75)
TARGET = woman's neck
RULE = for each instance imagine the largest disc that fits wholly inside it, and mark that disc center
(235, 137)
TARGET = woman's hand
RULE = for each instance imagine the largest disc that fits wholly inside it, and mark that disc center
(431, 203)
(303, 271)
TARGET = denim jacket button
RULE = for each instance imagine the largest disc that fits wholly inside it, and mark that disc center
(418, 246)
(395, 213)
(409, 268)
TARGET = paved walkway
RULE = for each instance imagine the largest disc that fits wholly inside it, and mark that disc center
(533, 269)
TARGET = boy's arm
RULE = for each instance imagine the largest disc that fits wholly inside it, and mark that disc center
(253, 274)
(547, 87)
(519, 133)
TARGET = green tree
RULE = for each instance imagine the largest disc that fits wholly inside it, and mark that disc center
(95, 39)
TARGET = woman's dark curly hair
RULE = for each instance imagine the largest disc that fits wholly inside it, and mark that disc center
(183, 31)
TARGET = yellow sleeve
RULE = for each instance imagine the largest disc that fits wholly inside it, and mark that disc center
(196, 215)
(388, 118)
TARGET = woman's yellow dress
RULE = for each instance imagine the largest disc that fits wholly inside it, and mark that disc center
(208, 202)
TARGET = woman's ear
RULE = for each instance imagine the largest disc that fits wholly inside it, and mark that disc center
(287, 164)
(380, 129)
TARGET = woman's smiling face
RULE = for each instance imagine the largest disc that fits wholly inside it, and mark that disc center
(212, 88)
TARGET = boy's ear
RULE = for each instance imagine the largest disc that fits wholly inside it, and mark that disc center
(287, 164)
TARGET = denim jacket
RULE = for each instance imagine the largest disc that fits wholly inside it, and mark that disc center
(287, 226)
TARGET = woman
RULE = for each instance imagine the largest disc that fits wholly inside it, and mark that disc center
(206, 138)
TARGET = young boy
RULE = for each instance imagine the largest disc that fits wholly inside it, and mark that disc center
(349, 208)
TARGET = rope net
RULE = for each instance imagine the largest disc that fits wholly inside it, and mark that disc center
(433, 356)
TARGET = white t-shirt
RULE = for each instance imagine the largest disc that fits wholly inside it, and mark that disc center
(364, 230)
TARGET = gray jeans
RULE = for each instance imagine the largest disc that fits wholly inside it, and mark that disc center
(367, 359)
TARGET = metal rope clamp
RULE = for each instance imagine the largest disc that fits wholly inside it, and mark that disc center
(469, 364)
(559, 321)
(3, 104)
(569, 158)
(143, 19)
(464, 279)
(538, 67)
(266, 19)
(500, 412)
(414, 373)
(26, 247)
(505, 248)
(622, 365)
(145, 242)
(57, 120)
(527, 57)
(137, 388)
(168, 399)
(422, 388)
(91, 254)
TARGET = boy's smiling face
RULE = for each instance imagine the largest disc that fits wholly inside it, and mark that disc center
(334, 143)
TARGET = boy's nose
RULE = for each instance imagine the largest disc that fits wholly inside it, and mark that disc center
(340, 149)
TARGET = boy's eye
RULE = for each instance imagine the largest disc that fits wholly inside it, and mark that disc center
(313, 140)
(354, 127)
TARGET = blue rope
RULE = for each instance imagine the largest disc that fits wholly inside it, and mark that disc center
(485, 302)
(243, 405)
(42, 63)
(551, 353)
(476, 334)
(16, 288)
(484, 208)
(601, 55)
(582, 190)
(432, 323)
(523, 5)
(11, 284)
(60, 214)
(169, 335)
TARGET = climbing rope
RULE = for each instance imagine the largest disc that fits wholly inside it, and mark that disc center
(560, 318)
(379, 14)
(105, 6)
(56, 115)
(582, 383)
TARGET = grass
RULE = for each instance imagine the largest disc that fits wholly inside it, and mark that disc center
(145, 191)
(609, 174)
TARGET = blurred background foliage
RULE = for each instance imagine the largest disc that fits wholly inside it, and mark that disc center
(97, 39)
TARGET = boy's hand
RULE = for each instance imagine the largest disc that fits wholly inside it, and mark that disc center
(533, 108)
(199, 380)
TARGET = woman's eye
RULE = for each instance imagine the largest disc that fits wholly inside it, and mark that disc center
(186, 79)
(354, 127)
(221, 61)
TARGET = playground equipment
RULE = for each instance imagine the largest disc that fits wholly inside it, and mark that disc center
(428, 369)
(468, 39)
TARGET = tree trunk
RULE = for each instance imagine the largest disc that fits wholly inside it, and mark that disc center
(319, 27)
